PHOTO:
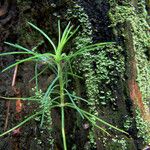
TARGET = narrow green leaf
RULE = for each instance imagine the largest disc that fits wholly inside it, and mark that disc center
(45, 98)
(100, 120)
(39, 44)
(93, 123)
(20, 47)
(21, 98)
(76, 107)
(38, 74)
(13, 53)
(63, 39)
(59, 32)
(104, 122)
(21, 61)
(72, 34)
(20, 124)
(65, 32)
(25, 121)
(87, 49)
(44, 34)
(74, 75)
(77, 97)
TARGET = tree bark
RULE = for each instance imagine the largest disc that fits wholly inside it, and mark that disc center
(115, 78)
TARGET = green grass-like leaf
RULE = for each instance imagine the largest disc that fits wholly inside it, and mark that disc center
(13, 53)
(46, 97)
(20, 47)
(20, 124)
(98, 119)
(44, 34)
(21, 61)
(75, 106)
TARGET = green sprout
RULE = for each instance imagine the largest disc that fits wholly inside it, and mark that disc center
(60, 64)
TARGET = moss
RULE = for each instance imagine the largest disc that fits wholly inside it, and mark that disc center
(119, 15)
(119, 143)
(99, 68)
(46, 126)
(128, 122)
(83, 38)
(143, 127)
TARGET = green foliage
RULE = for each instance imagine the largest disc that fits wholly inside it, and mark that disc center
(143, 127)
(136, 16)
(83, 38)
(128, 123)
(99, 68)
(122, 145)
(118, 143)
(56, 95)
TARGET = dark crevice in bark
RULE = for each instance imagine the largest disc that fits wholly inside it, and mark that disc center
(98, 16)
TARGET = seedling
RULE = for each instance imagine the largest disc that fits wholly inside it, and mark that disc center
(60, 65)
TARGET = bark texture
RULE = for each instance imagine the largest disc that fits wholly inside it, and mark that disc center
(116, 78)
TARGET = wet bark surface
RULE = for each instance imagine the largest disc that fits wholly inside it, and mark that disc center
(13, 16)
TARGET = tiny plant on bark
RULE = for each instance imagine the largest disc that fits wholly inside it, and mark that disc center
(60, 65)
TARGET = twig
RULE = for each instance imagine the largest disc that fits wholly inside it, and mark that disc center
(14, 76)
(7, 114)
(8, 102)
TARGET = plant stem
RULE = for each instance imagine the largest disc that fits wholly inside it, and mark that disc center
(63, 128)
(62, 102)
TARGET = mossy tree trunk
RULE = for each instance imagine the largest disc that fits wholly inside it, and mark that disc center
(116, 78)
